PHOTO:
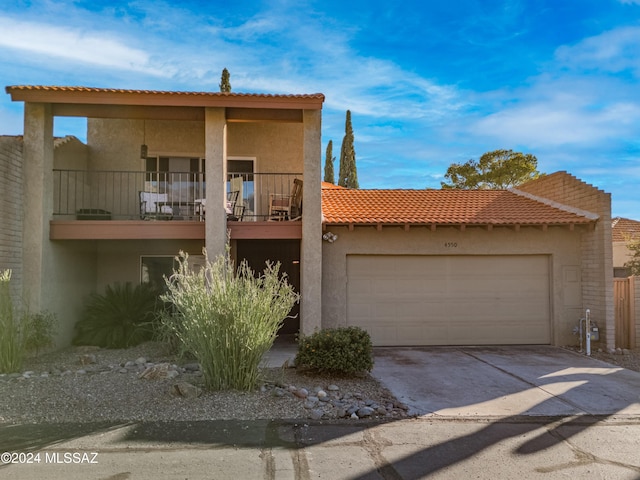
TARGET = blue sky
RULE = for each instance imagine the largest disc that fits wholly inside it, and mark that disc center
(428, 82)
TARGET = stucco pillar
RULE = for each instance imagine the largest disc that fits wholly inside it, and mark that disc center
(216, 177)
(311, 243)
(38, 200)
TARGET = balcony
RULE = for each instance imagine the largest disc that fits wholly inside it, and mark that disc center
(170, 203)
(116, 195)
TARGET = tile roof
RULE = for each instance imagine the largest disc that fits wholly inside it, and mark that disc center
(441, 207)
(107, 95)
(326, 185)
(623, 228)
(53, 88)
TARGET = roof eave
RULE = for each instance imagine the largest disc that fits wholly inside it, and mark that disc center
(460, 225)
(95, 96)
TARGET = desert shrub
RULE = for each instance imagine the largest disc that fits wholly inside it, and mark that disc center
(39, 329)
(344, 350)
(21, 332)
(12, 347)
(122, 317)
(227, 318)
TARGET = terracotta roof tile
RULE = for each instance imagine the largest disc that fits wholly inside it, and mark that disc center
(327, 185)
(623, 228)
(442, 207)
(78, 89)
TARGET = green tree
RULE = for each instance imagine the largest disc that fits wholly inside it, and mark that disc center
(499, 169)
(348, 172)
(633, 244)
(329, 176)
(225, 84)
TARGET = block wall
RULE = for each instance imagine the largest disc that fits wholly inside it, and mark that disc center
(596, 243)
(11, 209)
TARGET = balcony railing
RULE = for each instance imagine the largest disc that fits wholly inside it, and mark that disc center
(106, 195)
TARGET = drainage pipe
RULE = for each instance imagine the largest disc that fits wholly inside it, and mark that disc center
(587, 327)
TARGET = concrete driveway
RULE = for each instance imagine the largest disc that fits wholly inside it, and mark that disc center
(505, 382)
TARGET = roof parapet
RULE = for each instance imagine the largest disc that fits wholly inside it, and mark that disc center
(559, 206)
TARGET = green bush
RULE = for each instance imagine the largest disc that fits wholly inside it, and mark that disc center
(12, 347)
(123, 317)
(227, 319)
(345, 350)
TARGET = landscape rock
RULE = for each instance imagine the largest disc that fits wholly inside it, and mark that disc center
(316, 414)
(87, 359)
(159, 371)
(301, 392)
(365, 412)
(187, 390)
(310, 402)
(278, 392)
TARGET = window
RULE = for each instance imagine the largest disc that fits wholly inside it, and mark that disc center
(154, 268)
(240, 177)
(182, 177)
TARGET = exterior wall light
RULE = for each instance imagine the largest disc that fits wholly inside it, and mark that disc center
(330, 237)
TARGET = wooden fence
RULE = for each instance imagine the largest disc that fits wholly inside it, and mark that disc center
(624, 294)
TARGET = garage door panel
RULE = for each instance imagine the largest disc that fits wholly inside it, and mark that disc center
(450, 300)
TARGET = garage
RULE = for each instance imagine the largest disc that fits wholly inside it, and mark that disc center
(450, 299)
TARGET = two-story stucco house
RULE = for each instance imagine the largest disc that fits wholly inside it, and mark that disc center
(169, 171)
(156, 177)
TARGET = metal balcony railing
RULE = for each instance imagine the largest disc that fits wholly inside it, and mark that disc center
(128, 195)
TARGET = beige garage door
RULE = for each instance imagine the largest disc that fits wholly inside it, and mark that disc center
(450, 300)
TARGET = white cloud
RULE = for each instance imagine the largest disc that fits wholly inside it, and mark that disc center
(613, 51)
(558, 123)
(95, 48)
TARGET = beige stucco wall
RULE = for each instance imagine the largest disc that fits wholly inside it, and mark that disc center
(70, 277)
(119, 261)
(561, 245)
(115, 143)
(278, 147)
(70, 154)
(311, 255)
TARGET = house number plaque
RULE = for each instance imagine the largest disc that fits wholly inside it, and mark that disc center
(450, 244)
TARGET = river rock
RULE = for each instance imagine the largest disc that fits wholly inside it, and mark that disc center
(365, 412)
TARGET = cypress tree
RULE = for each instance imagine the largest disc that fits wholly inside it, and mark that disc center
(348, 172)
(329, 176)
(225, 84)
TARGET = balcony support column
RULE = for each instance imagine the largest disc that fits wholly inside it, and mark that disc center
(216, 179)
(311, 243)
(37, 202)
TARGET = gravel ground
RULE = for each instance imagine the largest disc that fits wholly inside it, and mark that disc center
(62, 389)
(624, 358)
